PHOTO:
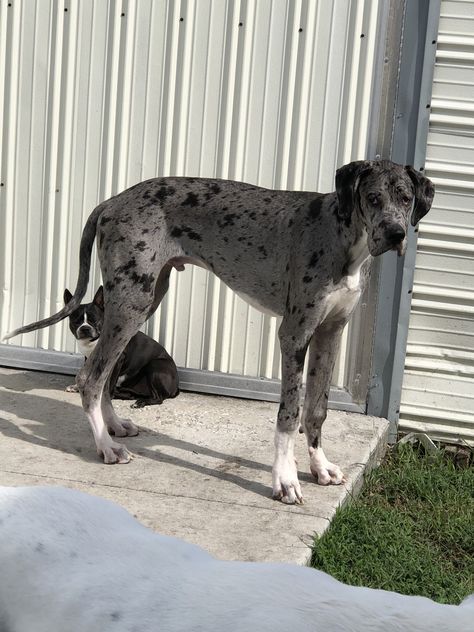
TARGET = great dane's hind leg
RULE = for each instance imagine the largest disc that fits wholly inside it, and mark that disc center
(323, 351)
(124, 315)
(286, 486)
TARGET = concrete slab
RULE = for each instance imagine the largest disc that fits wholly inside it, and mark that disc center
(202, 469)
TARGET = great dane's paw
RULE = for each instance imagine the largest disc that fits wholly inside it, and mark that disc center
(115, 453)
(122, 428)
(286, 486)
(325, 472)
(72, 388)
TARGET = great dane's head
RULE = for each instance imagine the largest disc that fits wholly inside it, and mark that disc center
(385, 194)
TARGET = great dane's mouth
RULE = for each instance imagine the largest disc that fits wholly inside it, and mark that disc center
(400, 248)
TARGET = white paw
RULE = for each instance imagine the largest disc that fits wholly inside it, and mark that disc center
(286, 486)
(72, 388)
(121, 427)
(324, 471)
(114, 453)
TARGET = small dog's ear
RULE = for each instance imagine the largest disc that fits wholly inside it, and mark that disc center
(347, 181)
(424, 194)
(99, 298)
(67, 296)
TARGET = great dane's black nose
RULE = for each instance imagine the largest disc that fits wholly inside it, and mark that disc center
(395, 235)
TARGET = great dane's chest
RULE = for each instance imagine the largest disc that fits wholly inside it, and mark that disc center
(342, 297)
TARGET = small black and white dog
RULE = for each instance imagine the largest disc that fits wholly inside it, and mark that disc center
(144, 371)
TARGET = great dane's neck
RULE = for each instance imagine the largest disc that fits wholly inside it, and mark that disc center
(357, 254)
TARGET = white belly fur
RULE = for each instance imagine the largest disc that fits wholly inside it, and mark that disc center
(251, 301)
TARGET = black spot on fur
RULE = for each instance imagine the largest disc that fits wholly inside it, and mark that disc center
(315, 208)
(300, 356)
(307, 278)
(302, 321)
(163, 193)
(145, 231)
(263, 251)
(310, 305)
(215, 188)
(191, 200)
(176, 232)
(313, 262)
(267, 200)
(115, 616)
(128, 266)
(153, 257)
(117, 329)
(104, 220)
(315, 442)
(140, 245)
(194, 236)
(109, 286)
(147, 281)
(228, 220)
(312, 373)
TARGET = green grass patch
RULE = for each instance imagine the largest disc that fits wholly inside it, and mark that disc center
(411, 530)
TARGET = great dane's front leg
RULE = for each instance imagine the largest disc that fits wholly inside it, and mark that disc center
(286, 486)
(323, 351)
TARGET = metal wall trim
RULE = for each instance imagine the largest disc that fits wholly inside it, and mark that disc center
(195, 380)
(408, 146)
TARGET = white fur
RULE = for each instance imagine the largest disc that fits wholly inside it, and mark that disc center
(86, 347)
(341, 298)
(322, 469)
(286, 485)
(76, 563)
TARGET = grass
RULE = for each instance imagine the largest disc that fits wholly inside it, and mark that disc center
(411, 530)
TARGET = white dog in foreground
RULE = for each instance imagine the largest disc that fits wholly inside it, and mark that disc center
(70, 562)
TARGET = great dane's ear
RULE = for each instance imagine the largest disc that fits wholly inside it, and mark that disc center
(67, 296)
(424, 194)
(99, 298)
(347, 181)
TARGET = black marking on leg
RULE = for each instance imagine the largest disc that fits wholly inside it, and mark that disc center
(300, 356)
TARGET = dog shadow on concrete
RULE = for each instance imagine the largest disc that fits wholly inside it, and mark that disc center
(61, 426)
(34, 380)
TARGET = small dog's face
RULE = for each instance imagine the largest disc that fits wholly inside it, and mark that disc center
(86, 321)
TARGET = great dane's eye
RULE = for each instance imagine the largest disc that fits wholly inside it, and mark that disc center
(406, 199)
(374, 199)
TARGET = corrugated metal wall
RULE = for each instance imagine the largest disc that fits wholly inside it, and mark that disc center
(438, 389)
(98, 95)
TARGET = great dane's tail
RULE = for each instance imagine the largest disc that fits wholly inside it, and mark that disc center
(85, 251)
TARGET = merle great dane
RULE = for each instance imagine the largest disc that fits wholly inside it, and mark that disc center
(300, 255)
